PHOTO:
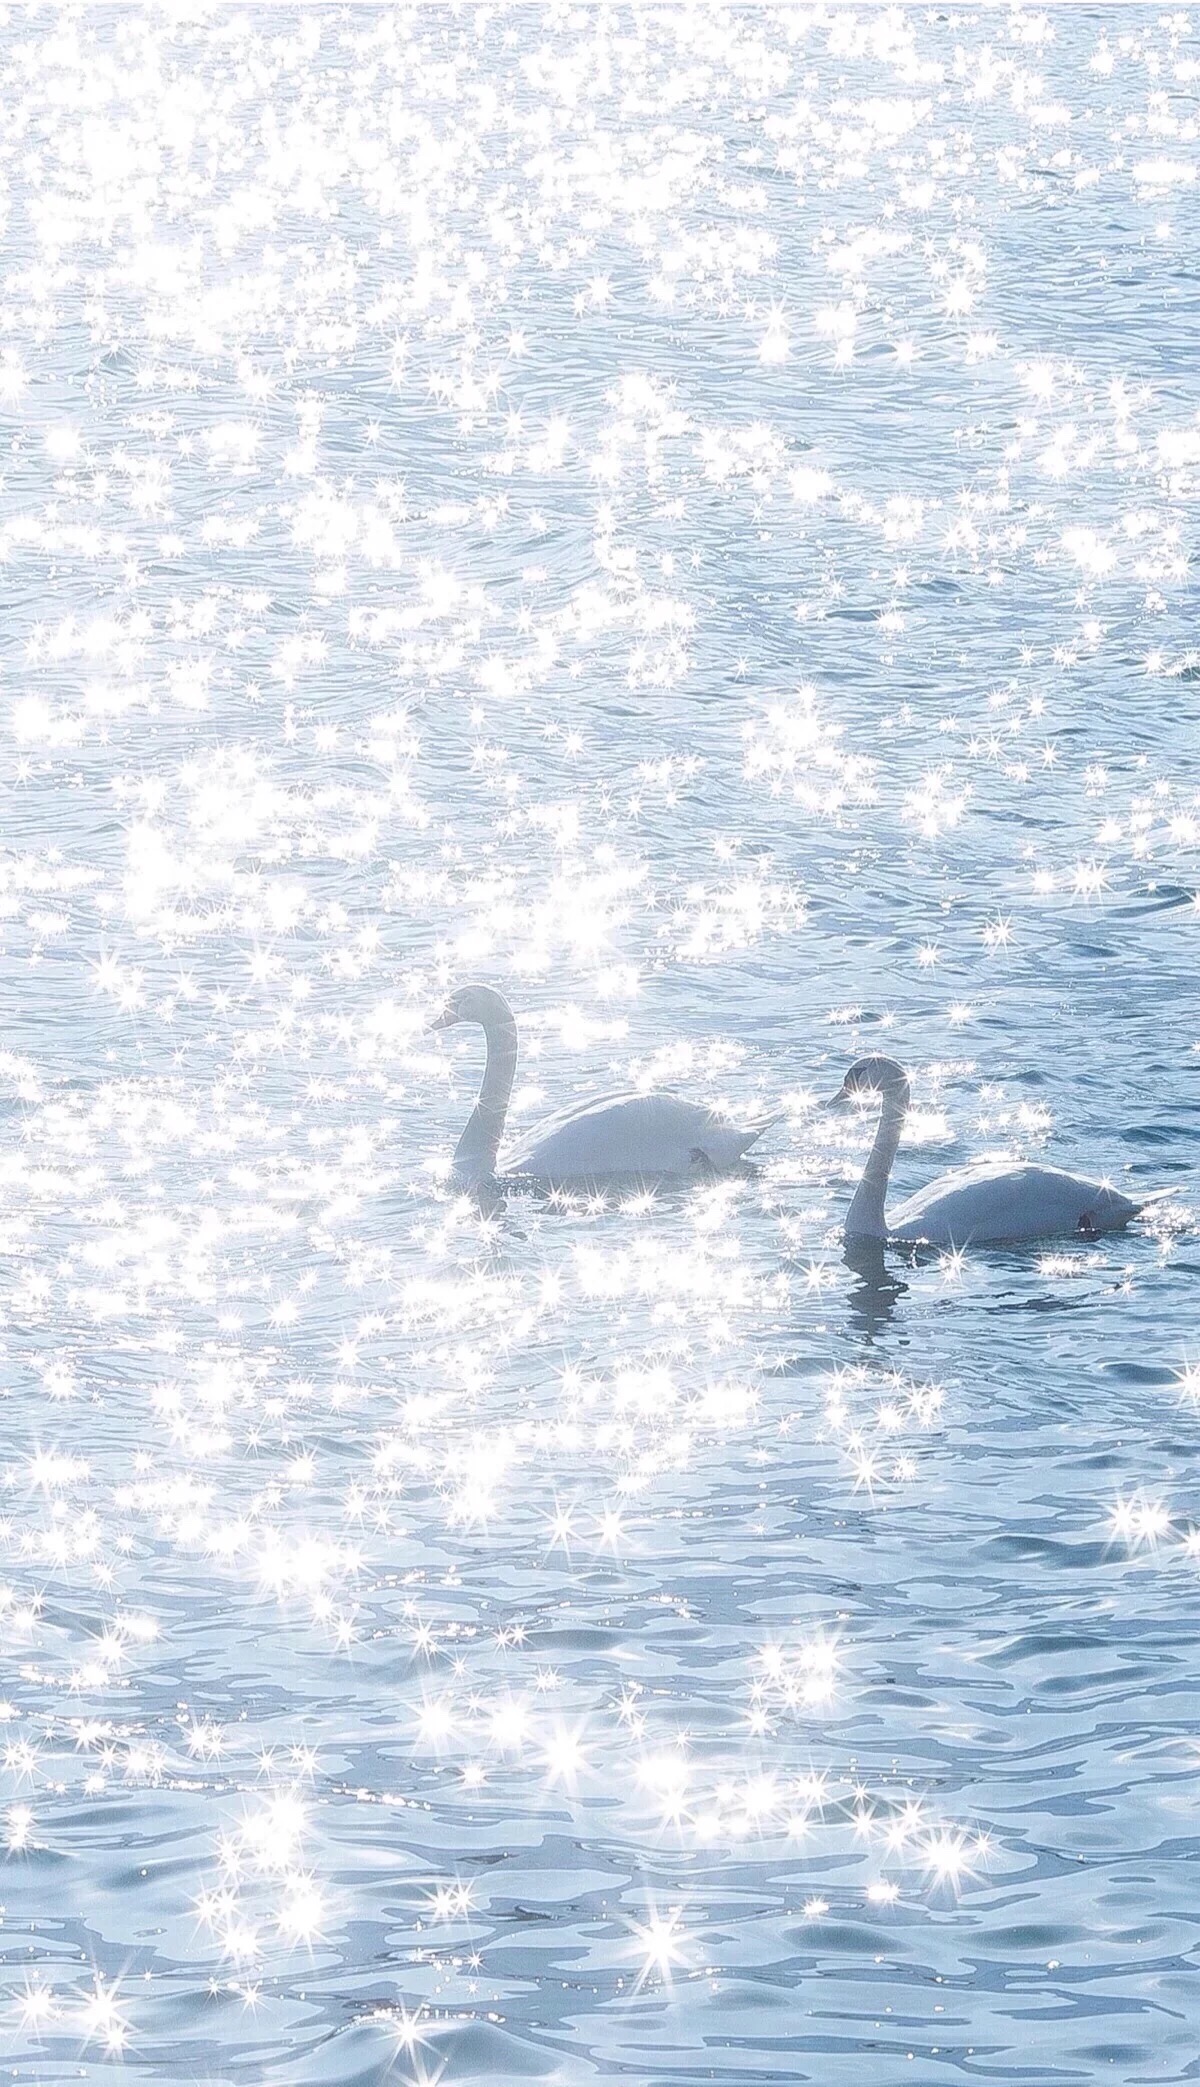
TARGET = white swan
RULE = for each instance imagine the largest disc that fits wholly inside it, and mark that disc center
(987, 1205)
(613, 1137)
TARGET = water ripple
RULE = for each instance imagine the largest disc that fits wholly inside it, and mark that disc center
(687, 515)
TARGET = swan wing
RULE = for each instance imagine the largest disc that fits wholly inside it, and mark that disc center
(619, 1135)
(998, 1204)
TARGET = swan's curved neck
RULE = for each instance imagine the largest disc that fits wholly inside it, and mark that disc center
(866, 1217)
(476, 1150)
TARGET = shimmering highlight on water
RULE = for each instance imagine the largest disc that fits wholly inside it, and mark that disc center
(686, 514)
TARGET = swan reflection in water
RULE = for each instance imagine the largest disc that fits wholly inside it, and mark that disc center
(879, 1287)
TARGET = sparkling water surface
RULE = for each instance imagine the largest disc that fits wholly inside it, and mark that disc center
(684, 514)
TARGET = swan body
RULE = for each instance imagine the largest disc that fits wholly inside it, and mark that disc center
(609, 1138)
(624, 1134)
(988, 1205)
(993, 1204)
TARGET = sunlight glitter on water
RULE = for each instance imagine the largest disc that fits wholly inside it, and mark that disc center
(687, 515)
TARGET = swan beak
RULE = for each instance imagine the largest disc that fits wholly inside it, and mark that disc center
(445, 1020)
(841, 1100)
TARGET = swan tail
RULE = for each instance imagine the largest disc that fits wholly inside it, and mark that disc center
(1156, 1196)
(750, 1132)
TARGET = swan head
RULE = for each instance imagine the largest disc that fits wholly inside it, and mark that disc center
(874, 1075)
(482, 1004)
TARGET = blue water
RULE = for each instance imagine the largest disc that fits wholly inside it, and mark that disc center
(687, 516)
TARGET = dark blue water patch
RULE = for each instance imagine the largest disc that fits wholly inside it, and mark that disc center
(1159, 1133)
(1017, 1548)
(1164, 899)
(818, 1938)
(1139, 1373)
